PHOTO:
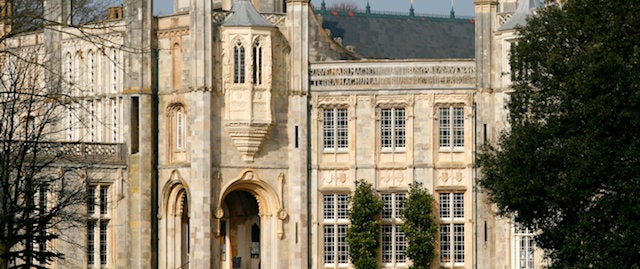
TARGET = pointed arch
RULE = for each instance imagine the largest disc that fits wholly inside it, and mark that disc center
(175, 217)
(257, 56)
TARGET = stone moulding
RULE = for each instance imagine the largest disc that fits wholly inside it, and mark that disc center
(248, 137)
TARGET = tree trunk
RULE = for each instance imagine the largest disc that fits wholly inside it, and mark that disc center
(4, 263)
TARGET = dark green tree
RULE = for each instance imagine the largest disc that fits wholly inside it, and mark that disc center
(420, 226)
(569, 166)
(363, 236)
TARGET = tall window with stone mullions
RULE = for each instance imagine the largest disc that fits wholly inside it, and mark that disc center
(98, 225)
(238, 63)
(257, 63)
(335, 129)
(335, 224)
(452, 228)
(393, 129)
(451, 125)
(394, 243)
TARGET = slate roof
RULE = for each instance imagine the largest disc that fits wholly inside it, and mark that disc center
(382, 36)
(245, 14)
(519, 17)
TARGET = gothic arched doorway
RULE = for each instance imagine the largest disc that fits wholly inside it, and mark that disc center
(241, 230)
(175, 227)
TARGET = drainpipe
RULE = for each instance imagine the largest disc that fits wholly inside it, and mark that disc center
(475, 187)
(309, 224)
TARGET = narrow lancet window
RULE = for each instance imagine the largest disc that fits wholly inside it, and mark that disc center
(238, 63)
(257, 63)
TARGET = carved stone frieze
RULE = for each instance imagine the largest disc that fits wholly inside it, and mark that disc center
(389, 101)
(392, 75)
(173, 32)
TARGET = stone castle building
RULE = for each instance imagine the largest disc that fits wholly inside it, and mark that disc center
(241, 126)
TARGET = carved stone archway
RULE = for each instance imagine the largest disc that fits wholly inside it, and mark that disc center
(271, 217)
(174, 223)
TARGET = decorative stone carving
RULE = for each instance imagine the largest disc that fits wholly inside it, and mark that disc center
(451, 177)
(334, 178)
(503, 18)
(392, 178)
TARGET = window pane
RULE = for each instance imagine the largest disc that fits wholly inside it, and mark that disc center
(329, 244)
(400, 200)
(387, 244)
(458, 205)
(179, 129)
(236, 65)
(401, 245)
(343, 248)
(90, 242)
(342, 129)
(387, 208)
(328, 129)
(400, 126)
(445, 205)
(104, 199)
(458, 127)
(458, 241)
(385, 128)
(343, 206)
(329, 206)
(445, 128)
(103, 242)
(241, 65)
(91, 200)
(445, 243)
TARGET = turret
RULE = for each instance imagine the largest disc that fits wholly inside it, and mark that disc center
(247, 77)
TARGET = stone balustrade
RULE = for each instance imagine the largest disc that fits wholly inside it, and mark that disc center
(387, 75)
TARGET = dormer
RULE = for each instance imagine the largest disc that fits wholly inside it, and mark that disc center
(247, 77)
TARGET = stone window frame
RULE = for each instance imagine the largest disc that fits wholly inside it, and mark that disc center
(177, 128)
(451, 139)
(452, 228)
(99, 224)
(394, 103)
(333, 229)
(523, 245)
(257, 62)
(239, 62)
(391, 218)
(334, 105)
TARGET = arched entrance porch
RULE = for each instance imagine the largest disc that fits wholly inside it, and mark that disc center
(249, 223)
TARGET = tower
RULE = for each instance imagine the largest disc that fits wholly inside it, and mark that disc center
(140, 103)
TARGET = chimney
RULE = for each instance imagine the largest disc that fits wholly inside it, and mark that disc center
(114, 13)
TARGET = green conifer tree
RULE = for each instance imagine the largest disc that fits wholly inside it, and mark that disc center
(420, 226)
(363, 236)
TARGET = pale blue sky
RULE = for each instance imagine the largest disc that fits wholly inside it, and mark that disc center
(437, 7)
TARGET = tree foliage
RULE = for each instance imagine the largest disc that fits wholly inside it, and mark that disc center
(363, 236)
(343, 6)
(569, 167)
(420, 226)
